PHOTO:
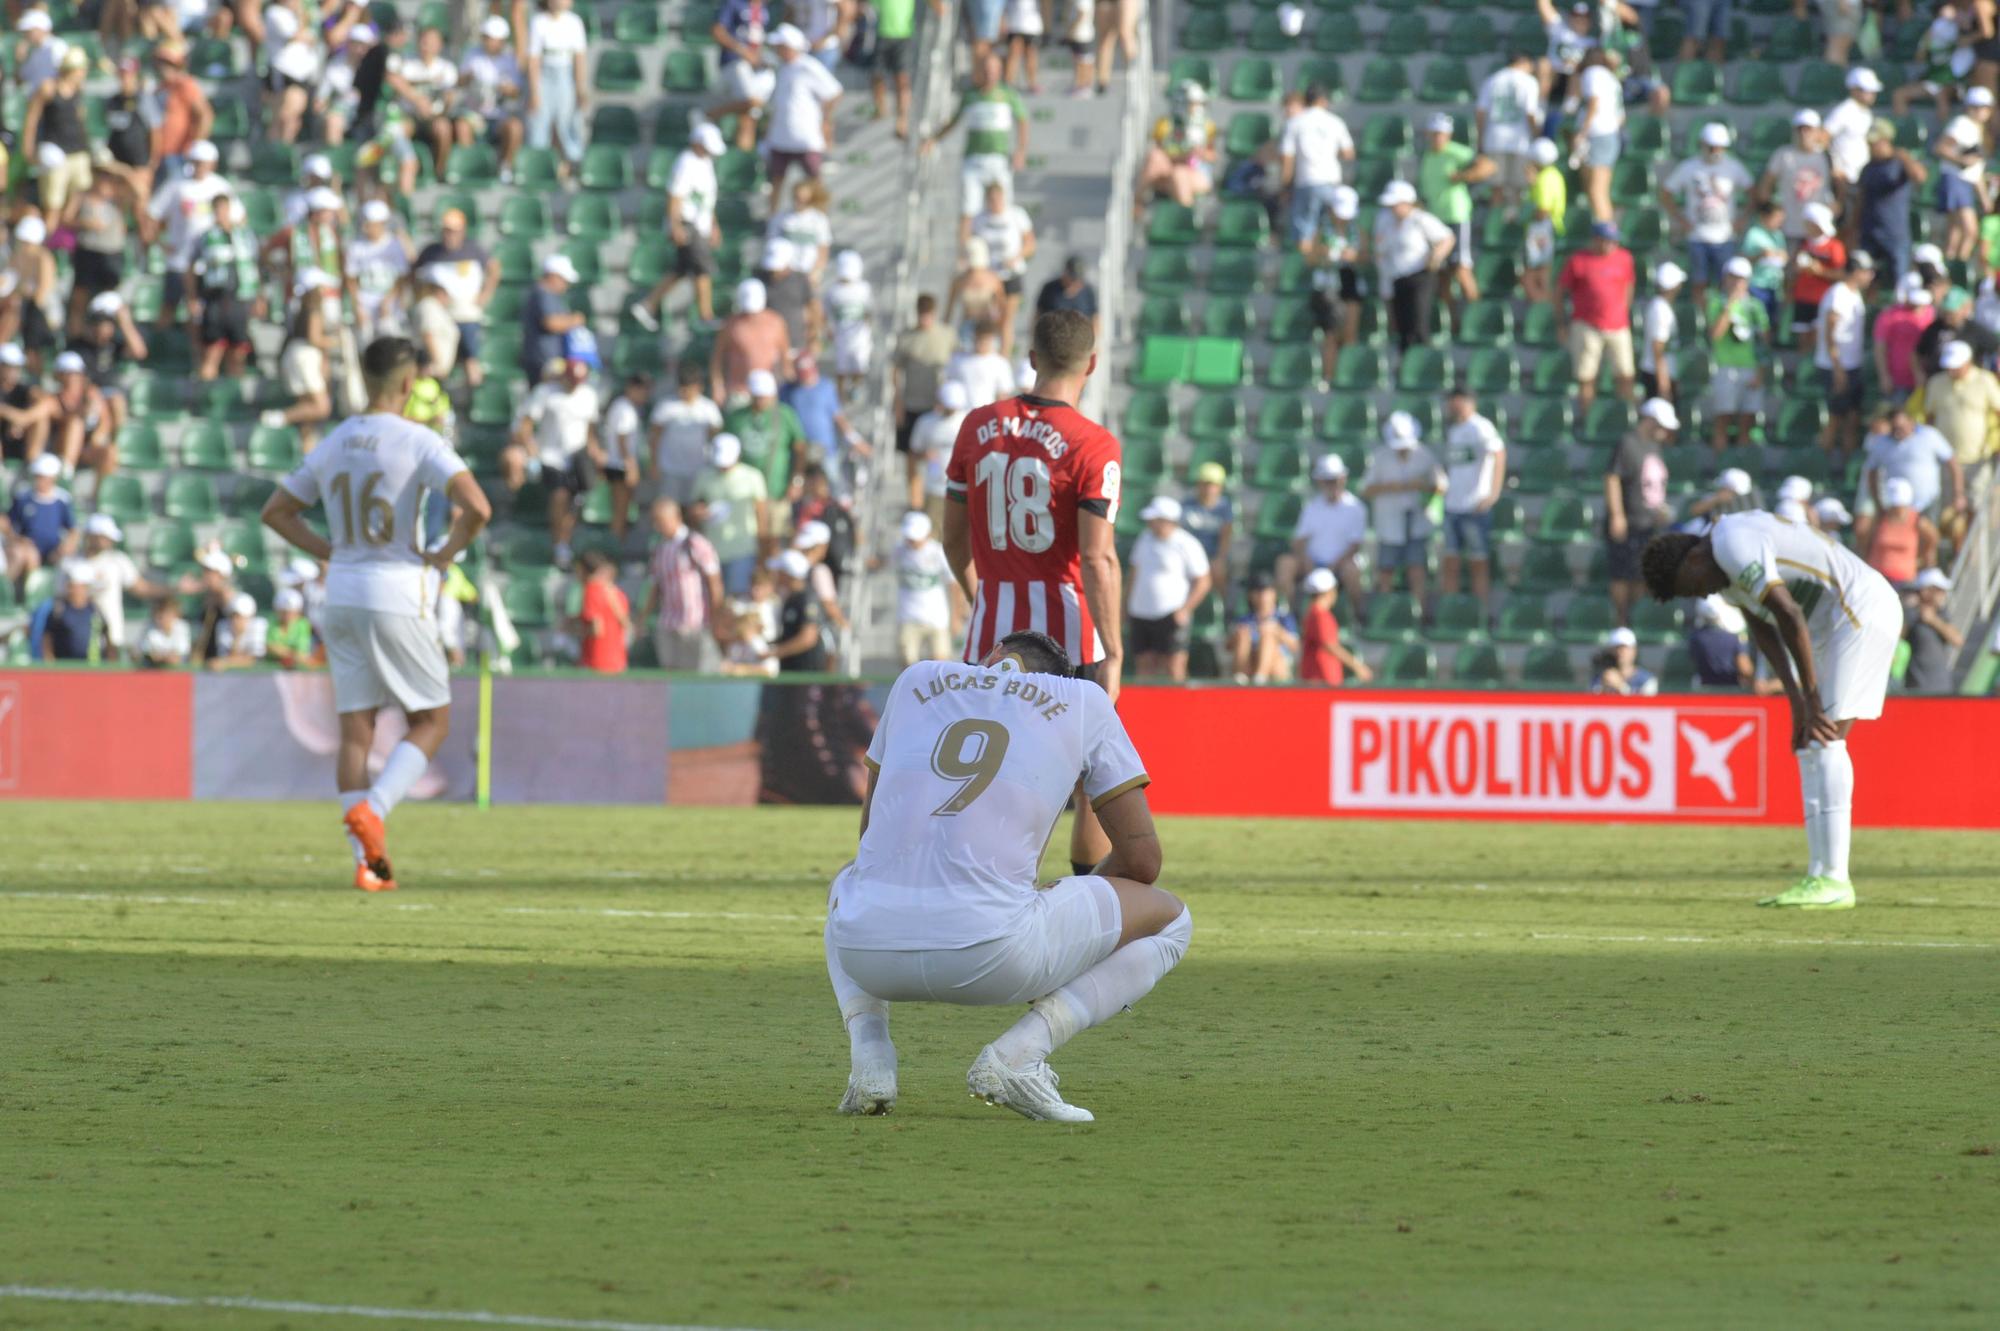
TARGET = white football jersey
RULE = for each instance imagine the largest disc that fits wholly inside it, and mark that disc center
(1835, 589)
(373, 474)
(973, 767)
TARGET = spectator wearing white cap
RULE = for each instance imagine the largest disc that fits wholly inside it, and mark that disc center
(1886, 189)
(1616, 669)
(1402, 476)
(70, 627)
(488, 106)
(181, 209)
(166, 642)
(38, 52)
(1635, 500)
(1332, 252)
(546, 316)
(227, 278)
(110, 574)
(242, 637)
(799, 117)
(1795, 500)
(1323, 658)
(684, 591)
(1328, 534)
(770, 433)
(1701, 197)
(558, 72)
(1894, 340)
(1716, 647)
(1508, 114)
(814, 539)
(1961, 399)
(850, 313)
(1659, 328)
(27, 414)
(1315, 151)
(691, 225)
(378, 267)
(1964, 192)
(1410, 248)
(1933, 639)
(1818, 266)
(1840, 348)
(1732, 491)
(929, 604)
(1739, 338)
(931, 439)
(788, 293)
(801, 643)
(1170, 577)
(288, 637)
(1915, 452)
(1901, 541)
(30, 312)
(40, 528)
(1475, 475)
(732, 508)
(1548, 214)
(1799, 173)
(1446, 172)
(81, 424)
(753, 337)
(555, 439)
(806, 225)
(1848, 123)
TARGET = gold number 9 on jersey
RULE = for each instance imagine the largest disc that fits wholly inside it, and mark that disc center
(378, 515)
(986, 744)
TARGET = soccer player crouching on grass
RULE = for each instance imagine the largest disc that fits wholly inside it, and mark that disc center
(1829, 625)
(969, 768)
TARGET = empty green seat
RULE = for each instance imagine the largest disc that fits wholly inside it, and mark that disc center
(1233, 272)
(1267, 33)
(1279, 467)
(1446, 82)
(1277, 516)
(739, 172)
(1538, 326)
(1544, 421)
(1819, 84)
(274, 448)
(1383, 80)
(1227, 316)
(617, 71)
(122, 497)
(1242, 224)
(1164, 360)
(1656, 623)
(1494, 273)
(1164, 313)
(614, 125)
(1291, 320)
(1215, 416)
(1198, 70)
(205, 447)
(1338, 34)
(1144, 462)
(1486, 323)
(1551, 376)
(1358, 370)
(1148, 415)
(1587, 619)
(1547, 666)
(1206, 30)
(605, 168)
(1167, 271)
(525, 216)
(517, 263)
(1632, 184)
(685, 72)
(527, 601)
(1283, 418)
(274, 164)
(1489, 372)
(1471, 35)
(1319, 72)
(1755, 83)
(1349, 419)
(1477, 664)
(1291, 367)
(1799, 423)
(593, 217)
(170, 544)
(1406, 33)
(1217, 361)
(139, 447)
(1458, 618)
(535, 169)
(1523, 619)
(492, 404)
(1248, 131)
(636, 25)
(1565, 520)
(1607, 423)
(1391, 617)
(1409, 663)
(191, 497)
(1171, 224)
(1696, 83)
(1422, 371)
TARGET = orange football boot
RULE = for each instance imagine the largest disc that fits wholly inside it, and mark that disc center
(365, 825)
(367, 880)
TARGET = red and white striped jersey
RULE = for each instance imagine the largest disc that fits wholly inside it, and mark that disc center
(1025, 467)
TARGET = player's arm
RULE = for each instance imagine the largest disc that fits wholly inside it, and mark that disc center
(957, 535)
(1103, 590)
(284, 513)
(1789, 628)
(1135, 844)
(470, 512)
(868, 796)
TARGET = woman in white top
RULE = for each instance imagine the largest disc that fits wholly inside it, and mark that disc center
(805, 224)
(1600, 129)
(558, 74)
(1658, 327)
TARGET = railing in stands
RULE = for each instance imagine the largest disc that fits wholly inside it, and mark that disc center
(1133, 129)
(1975, 575)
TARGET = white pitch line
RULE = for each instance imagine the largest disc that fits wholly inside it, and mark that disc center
(617, 913)
(146, 1299)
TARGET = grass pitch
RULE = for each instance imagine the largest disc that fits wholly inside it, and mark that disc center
(584, 1066)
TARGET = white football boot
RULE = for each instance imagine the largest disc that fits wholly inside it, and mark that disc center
(1030, 1091)
(871, 1088)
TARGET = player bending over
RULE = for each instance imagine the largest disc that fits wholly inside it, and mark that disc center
(374, 474)
(1828, 624)
(969, 769)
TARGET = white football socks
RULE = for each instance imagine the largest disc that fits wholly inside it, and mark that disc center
(867, 1016)
(348, 799)
(406, 764)
(1836, 808)
(1809, 797)
(1097, 995)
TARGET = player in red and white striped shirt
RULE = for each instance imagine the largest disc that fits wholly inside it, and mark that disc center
(1032, 498)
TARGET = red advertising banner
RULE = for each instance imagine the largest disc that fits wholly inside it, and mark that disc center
(1367, 753)
(100, 735)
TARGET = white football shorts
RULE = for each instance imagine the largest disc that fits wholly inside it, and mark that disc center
(1072, 926)
(379, 659)
(1853, 663)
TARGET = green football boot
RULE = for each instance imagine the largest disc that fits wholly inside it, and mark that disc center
(1815, 894)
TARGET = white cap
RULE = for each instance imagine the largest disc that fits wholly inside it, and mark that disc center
(1621, 637)
(916, 526)
(1440, 123)
(847, 266)
(11, 354)
(495, 27)
(317, 166)
(1661, 413)
(1796, 488)
(788, 37)
(47, 464)
(103, 524)
(1329, 466)
(1909, 288)
(1318, 582)
(1933, 577)
(1544, 151)
(1832, 513)
(243, 604)
(953, 395)
(313, 279)
(1737, 267)
(202, 150)
(435, 274)
(69, 363)
(559, 265)
(1669, 275)
(1715, 134)
(1818, 215)
(811, 536)
(978, 254)
(1400, 430)
(50, 156)
(1898, 492)
(1163, 508)
(750, 296)
(288, 598)
(709, 139)
(1863, 80)
(375, 210)
(1928, 255)
(1805, 118)
(1735, 480)
(725, 450)
(1954, 354)
(1291, 21)
(106, 302)
(790, 563)
(212, 558)
(1978, 96)
(779, 255)
(1346, 202)
(1397, 191)
(363, 33)
(761, 383)
(295, 60)
(301, 570)
(31, 231)
(35, 20)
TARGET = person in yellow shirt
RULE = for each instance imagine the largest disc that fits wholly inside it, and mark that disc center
(1548, 214)
(1962, 400)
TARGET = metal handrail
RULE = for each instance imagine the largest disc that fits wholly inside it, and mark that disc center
(1133, 129)
(1975, 574)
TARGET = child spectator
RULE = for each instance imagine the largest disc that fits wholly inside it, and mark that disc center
(242, 637)
(1548, 217)
(40, 528)
(228, 276)
(1209, 515)
(166, 643)
(1333, 254)
(620, 436)
(1739, 334)
(800, 645)
(1768, 253)
(749, 644)
(1616, 668)
(927, 596)
(605, 617)
(1264, 643)
(850, 304)
(1658, 329)
(70, 632)
(931, 441)
(1322, 658)
(289, 642)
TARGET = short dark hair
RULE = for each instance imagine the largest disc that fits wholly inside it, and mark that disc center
(1040, 654)
(691, 372)
(926, 304)
(1063, 342)
(1660, 564)
(385, 358)
(638, 379)
(1315, 94)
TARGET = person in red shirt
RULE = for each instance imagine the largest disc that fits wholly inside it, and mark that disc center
(1598, 282)
(1322, 658)
(1822, 262)
(1031, 494)
(605, 618)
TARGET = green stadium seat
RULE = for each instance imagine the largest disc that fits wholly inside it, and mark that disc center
(1248, 131)
(1144, 462)
(1669, 27)
(1407, 33)
(528, 551)
(1164, 360)
(616, 126)
(1242, 224)
(1338, 34)
(524, 216)
(1609, 422)
(1277, 516)
(248, 497)
(1767, 135)
(274, 164)
(1409, 663)
(492, 403)
(1489, 372)
(685, 72)
(527, 602)
(637, 25)
(617, 71)
(1819, 84)
(1565, 520)
(1319, 72)
(1471, 35)
(1523, 619)
(139, 447)
(1645, 227)
(1267, 34)
(1649, 137)
(1348, 420)
(1291, 367)
(1657, 623)
(1632, 182)
(593, 217)
(605, 168)
(1291, 321)
(1358, 370)
(739, 172)
(1494, 273)
(1486, 323)
(1477, 665)
(672, 125)
(274, 448)
(587, 255)
(1219, 451)
(1233, 272)
(1587, 619)
(1148, 415)
(1171, 224)
(1279, 467)
(1799, 423)
(1506, 519)
(1538, 326)
(1542, 422)
(1458, 618)
(1502, 232)
(1217, 361)
(1227, 316)
(1165, 313)
(1283, 418)
(1384, 136)
(1423, 409)
(535, 169)
(1215, 416)
(1548, 667)
(1383, 80)
(1446, 82)
(170, 544)
(1423, 371)
(232, 121)
(1198, 70)
(517, 264)
(205, 447)
(1551, 375)
(1205, 31)
(244, 542)
(1696, 83)
(190, 496)
(1392, 617)
(1755, 83)
(1294, 275)
(122, 497)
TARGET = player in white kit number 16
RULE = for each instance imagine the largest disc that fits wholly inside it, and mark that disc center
(1829, 625)
(374, 474)
(969, 769)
